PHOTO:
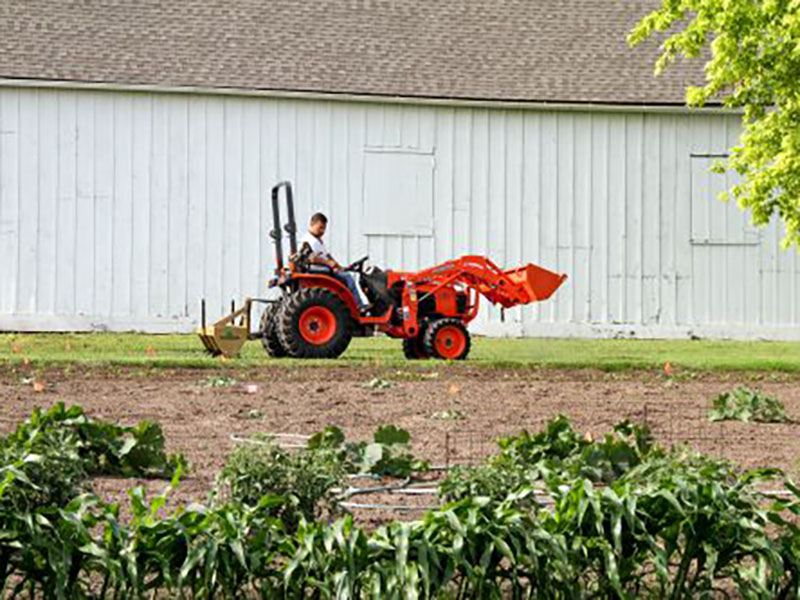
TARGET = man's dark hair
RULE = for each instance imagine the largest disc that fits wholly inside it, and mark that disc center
(319, 218)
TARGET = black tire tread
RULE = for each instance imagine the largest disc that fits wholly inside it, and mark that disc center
(414, 349)
(269, 331)
(429, 337)
(289, 335)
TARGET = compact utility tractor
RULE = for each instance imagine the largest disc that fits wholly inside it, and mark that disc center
(315, 315)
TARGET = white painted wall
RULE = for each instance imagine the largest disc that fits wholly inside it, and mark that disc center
(120, 210)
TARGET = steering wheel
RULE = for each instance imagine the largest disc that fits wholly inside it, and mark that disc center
(357, 266)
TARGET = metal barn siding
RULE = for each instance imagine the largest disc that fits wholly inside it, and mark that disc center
(121, 210)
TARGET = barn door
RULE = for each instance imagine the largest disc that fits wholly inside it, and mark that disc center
(724, 247)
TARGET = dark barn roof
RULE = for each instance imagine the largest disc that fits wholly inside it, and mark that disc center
(509, 50)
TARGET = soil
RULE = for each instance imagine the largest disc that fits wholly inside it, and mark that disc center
(454, 413)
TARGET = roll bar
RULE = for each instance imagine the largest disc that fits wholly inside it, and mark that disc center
(290, 227)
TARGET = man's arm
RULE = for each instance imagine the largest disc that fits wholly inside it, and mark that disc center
(318, 259)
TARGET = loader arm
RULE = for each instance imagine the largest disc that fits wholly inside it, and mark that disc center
(508, 288)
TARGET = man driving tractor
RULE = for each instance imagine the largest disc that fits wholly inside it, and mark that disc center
(318, 255)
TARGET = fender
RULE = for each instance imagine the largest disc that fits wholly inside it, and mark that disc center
(330, 283)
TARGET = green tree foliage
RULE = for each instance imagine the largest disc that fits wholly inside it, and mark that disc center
(754, 66)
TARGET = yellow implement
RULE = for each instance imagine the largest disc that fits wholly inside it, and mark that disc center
(227, 336)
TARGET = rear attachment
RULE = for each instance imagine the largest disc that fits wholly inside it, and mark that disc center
(227, 336)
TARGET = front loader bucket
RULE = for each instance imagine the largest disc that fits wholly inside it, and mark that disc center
(226, 337)
(536, 282)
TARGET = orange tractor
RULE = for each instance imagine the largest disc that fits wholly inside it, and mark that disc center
(316, 315)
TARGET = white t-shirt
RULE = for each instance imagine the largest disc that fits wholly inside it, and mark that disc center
(318, 248)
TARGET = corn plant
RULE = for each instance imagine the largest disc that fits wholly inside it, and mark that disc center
(629, 520)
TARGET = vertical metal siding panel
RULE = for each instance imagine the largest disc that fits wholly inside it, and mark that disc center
(743, 269)
(196, 224)
(409, 126)
(252, 227)
(426, 126)
(634, 159)
(392, 125)
(142, 143)
(462, 182)
(306, 199)
(785, 287)
(531, 219)
(565, 218)
(496, 198)
(123, 205)
(159, 211)
(409, 251)
(104, 203)
(617, 199)
(771, 299)
(232, 198)
(337, 147)
(702, 277)
(393, 251)
(599, 220)
(374, 124)
(65, 263)
(178, 205)
(357, 132)
(269, 143)
(373, 137)
(319, 177)
(718, 258)
(444, 180)
(215, 205)
(667, 202)
(737, 267)
(651, 220)
(582, 216)
(549, 202)
(85, 217)
(514, 181)
(426, 248)
(47, 222)
(684, 281)
(10, 126)
(479, 225)
(29, 201)
(749, 281)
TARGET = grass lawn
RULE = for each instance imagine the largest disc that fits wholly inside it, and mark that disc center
(101, 349)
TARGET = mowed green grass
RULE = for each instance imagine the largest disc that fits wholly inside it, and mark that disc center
(110, 349)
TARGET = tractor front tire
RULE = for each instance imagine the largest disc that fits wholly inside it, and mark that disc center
(447, 339)
(414, 348)
(314, 323)
(269, 330)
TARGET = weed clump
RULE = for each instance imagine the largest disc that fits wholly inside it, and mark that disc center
(744, 404)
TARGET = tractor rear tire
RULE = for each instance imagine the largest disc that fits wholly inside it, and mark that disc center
(447, 339)
(269, 330)
(414, 348)
(314, 323)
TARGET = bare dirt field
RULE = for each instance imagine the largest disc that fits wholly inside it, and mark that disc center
(454, 413)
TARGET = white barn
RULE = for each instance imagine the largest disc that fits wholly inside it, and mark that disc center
(138, 143)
